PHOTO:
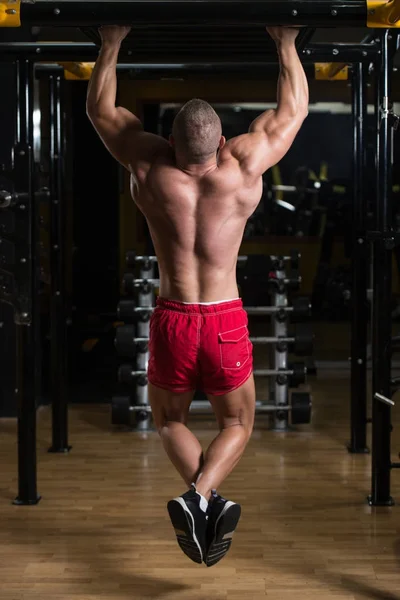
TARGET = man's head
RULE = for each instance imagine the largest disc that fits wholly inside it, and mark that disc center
(197, 131)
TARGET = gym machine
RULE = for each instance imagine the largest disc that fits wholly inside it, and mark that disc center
(130, 407)
(21, 275)
(19, 281)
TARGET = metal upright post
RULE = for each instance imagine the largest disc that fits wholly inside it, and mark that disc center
(280, 329)
(382, 284)
(58, 322)
(360, 269)
(27, 320)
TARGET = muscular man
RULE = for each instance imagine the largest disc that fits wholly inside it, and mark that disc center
(196, 192)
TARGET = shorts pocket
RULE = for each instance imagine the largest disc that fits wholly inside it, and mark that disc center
(234, 347)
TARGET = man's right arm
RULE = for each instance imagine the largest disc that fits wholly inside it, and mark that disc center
(272, 133)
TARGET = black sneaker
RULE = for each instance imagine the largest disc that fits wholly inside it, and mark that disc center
(190, 524)
(223, 518)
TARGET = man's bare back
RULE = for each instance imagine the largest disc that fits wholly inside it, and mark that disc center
(196, 221)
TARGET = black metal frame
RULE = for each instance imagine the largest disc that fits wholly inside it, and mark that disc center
(321, 13)
(26, 279)
(86, 52)
(360, 266)
(58, 292)
(382, 246)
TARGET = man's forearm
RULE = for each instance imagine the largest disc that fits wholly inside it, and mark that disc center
(102, 90)
(292, 92)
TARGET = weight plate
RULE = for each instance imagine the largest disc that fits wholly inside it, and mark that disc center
(294, 280)
(128, 283)
(299, 374)
(130, 257)
(125, 374)
(120, 413)
(294, 259)
(126, 311)
(301, 308)
(301, 408)
(304, 339)
(125, 341)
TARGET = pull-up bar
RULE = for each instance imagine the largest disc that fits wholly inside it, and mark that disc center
(317, 13)
(86, 52)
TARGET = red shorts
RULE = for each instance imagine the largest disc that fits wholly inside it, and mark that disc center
(199, 347)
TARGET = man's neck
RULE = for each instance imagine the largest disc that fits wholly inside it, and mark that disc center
(196, 168)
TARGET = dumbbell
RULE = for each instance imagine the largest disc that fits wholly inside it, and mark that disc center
(295, 257)
(291, 282)
(130, 283)
(300, 309)
(300, 408)
(279, 262)
(303, 340)
(127, 344)
(7, 199)
(300, 344)
(121, 410)
(293, 376)
(127, 374)
(128, 312)
(132, 259)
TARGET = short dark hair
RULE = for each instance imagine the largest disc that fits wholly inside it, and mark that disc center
(197, 130)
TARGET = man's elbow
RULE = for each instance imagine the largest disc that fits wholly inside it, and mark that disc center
(92, 111)
(96, 115)
(304, 112)
(301, 112)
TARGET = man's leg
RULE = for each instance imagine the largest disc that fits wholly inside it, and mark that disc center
(235, 415)
(189, 520)
(170, 412)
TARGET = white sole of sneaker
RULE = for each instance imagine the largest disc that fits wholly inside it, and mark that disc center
(223, 532)
(183, 522)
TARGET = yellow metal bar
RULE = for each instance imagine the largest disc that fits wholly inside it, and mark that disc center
(331, 71)
(323, 172)
(10, 13)
(383, 13)
(77, 71)
(277, 180)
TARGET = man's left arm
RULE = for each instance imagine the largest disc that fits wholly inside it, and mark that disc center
(120, 130)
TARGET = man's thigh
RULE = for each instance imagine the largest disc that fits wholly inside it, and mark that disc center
(169, 406)
(237, 407)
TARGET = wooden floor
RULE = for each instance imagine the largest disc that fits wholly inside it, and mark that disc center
(101, 530)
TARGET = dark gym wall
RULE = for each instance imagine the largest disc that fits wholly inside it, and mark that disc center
(7, 112)
(96, 215)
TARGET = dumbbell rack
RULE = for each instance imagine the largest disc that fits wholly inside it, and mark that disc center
(133, 337)
(280, 384)
(133, 340)
(278, 388)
